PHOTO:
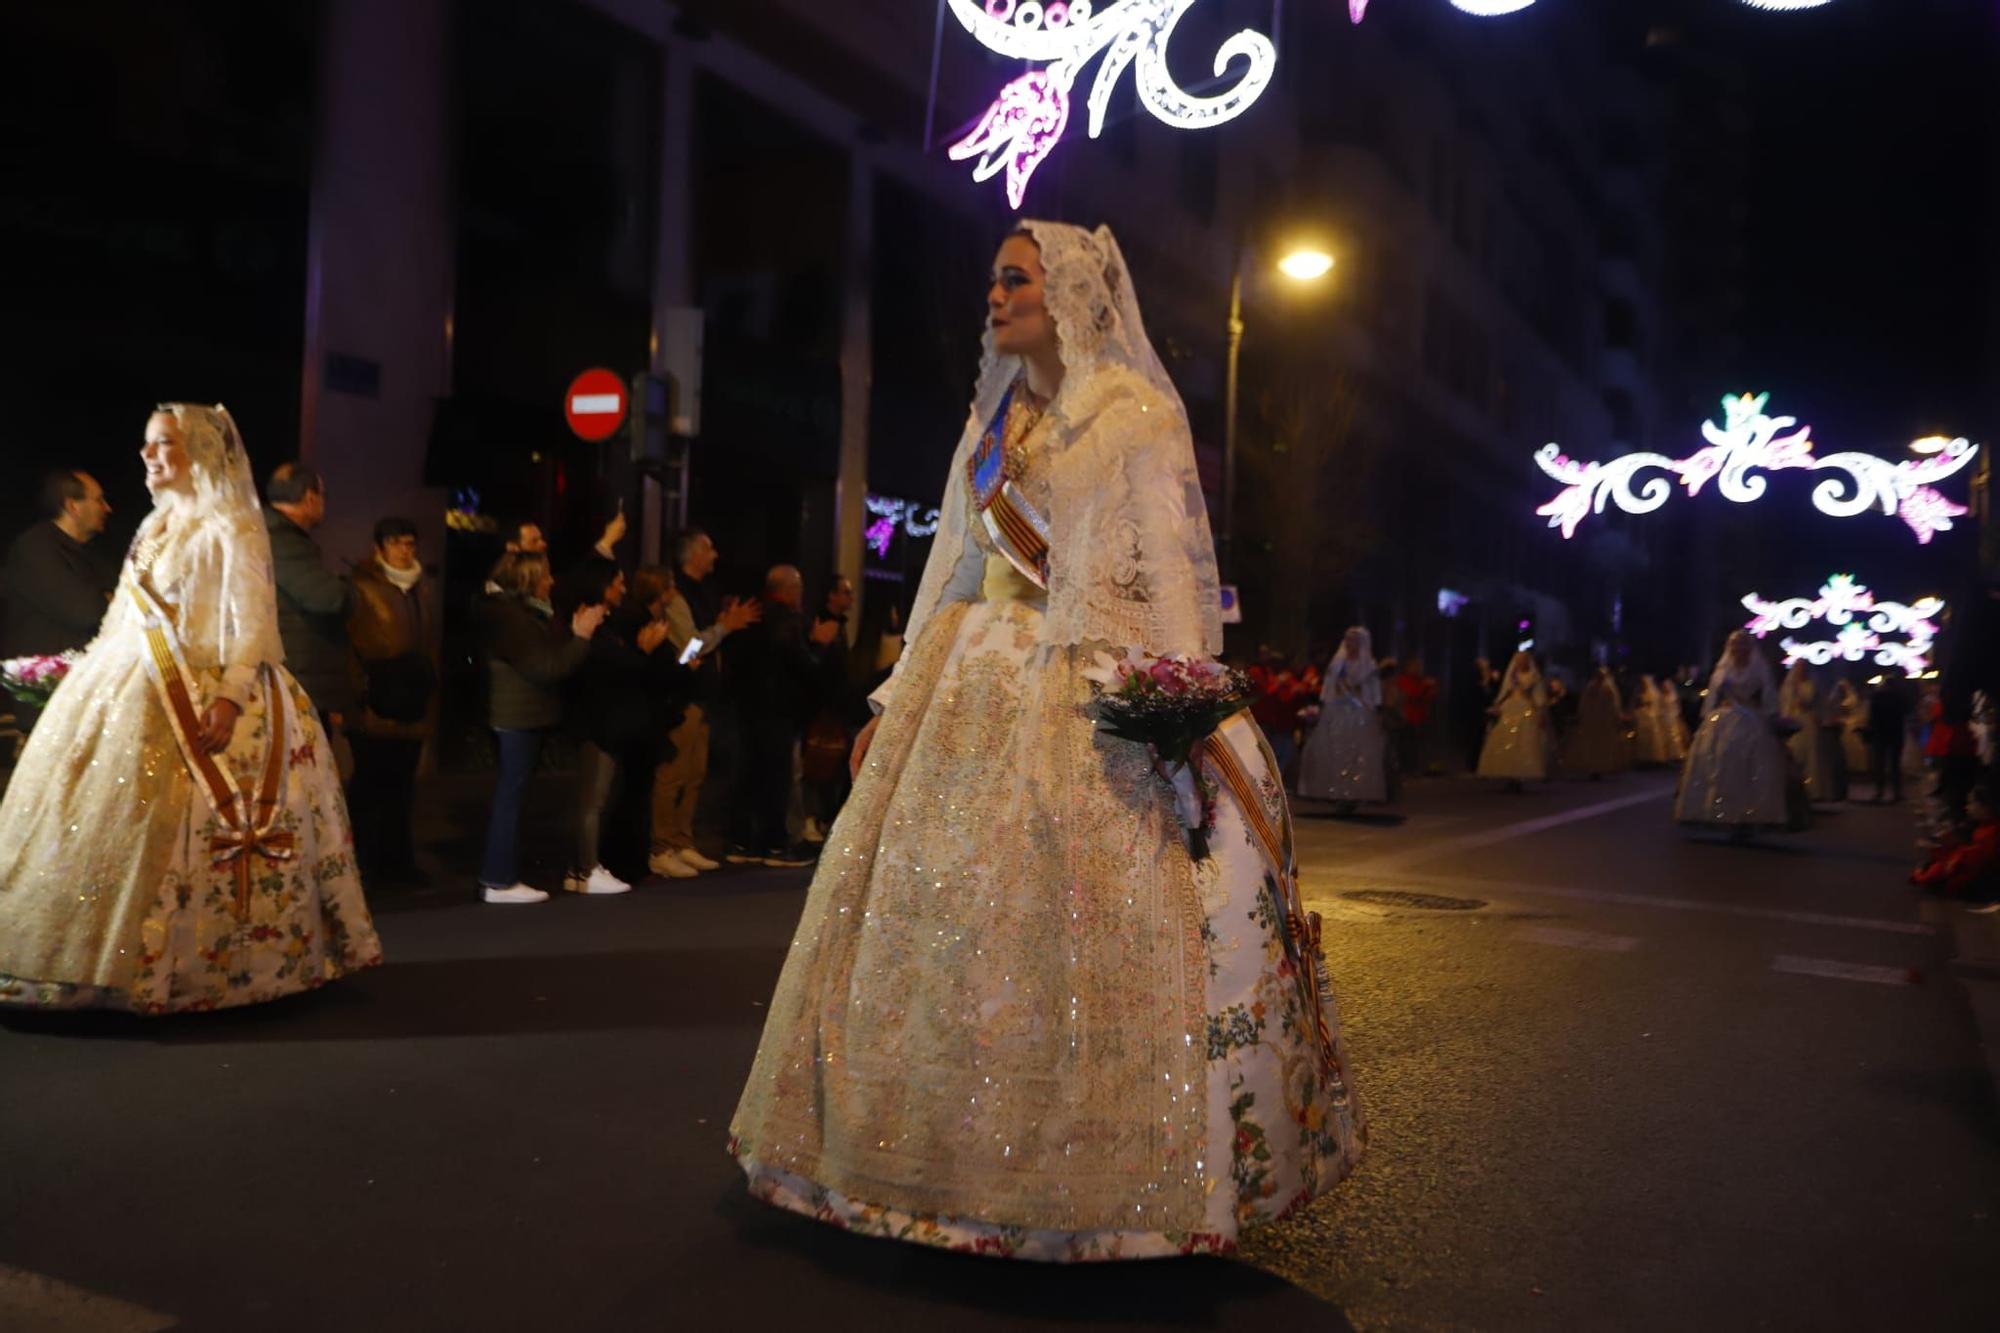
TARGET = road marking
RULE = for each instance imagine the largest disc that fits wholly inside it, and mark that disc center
(29, 1300)
(1827, 967)
(1430, 851)
(1577, 939)
(1489, 888)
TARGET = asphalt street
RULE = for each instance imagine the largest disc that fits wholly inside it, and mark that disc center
(1619, 1079)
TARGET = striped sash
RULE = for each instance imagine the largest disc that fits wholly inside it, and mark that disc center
(1300, 929)
(246, 817)
(1017, 530)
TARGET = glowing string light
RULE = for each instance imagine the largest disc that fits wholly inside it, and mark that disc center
(1897, 634)
(1358, 9)
(1028, 117)
(918, 520)
(1750, 442)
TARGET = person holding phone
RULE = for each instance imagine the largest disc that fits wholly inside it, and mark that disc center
(528, 657)
(629, 696)
(698, 620)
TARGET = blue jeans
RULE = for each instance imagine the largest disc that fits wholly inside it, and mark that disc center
(501, 866)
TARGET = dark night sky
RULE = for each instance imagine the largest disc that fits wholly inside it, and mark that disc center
(1873, 240)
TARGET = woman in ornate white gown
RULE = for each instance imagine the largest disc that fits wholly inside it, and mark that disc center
(1653, 742)
(174, 836)
(1598, 744)
(1344, 758)
(1852, 711)
(1815, 746)
(1735, 771)
(1018, 1018)
(1673, 721)
(1518, 744)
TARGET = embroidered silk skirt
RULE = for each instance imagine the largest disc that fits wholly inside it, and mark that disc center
(1343, 759)
(119, 889)
(1018, 1017)
(1518, 744)
(1735, 773)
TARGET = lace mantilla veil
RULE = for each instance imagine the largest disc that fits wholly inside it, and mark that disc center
(236, 603)
(1132, 564)
(1347, 666)
(1754, 674)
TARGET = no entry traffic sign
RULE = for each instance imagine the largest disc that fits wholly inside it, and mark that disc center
(595, 405)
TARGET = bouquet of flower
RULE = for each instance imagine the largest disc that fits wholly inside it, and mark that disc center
(33, 679)
(1172, 705)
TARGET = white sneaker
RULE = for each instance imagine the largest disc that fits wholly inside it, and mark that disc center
(671, 865)
(598, 881)
(513, 893)
(689, 856)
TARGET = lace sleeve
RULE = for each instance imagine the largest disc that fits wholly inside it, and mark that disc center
(236, 606)
(960, 585)
(1131, 562)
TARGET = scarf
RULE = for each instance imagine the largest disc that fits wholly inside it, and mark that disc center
(404, 579)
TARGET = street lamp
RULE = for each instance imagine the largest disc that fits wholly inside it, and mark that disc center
(1304, 264)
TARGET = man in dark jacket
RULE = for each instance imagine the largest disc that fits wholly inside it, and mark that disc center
(839, 712)
(389, 628)
(772, 676)
(312, 599)
(708, 739)
(57, 587)
(1888, 717)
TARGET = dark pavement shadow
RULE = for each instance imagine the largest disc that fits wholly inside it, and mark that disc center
(504, 996)
(1966, 1090)
(1765, 844)
(973, 1292)
(1367, 818)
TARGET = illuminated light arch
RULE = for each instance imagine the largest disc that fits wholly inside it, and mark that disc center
(1028, 117)
(918, 520)
(1897, 634)
(1358, 9)
(1748, 443)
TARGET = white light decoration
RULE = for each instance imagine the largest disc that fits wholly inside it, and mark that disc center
(1358, 9)
(1866, 626)
(1028, 118)
(1750, 441)
(917, 520)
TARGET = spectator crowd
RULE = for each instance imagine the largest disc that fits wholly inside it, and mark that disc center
(705, 729)
(690, 729)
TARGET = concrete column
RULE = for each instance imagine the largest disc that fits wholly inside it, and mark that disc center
(673, 259)
(857, 359)
(380, 253)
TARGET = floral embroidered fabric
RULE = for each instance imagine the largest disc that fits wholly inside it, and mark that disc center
(119, 885)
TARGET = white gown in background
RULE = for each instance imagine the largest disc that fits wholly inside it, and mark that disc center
(1344, 757)
(1673, 721)
(1815, 746)
(1598, 744)
(1018, 1018)
(137, 873)
(1852, 710)
(1518, 743)
(1653, 738)
(1736, 766)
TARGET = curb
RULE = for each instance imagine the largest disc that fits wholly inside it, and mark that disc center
(1976, 964)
